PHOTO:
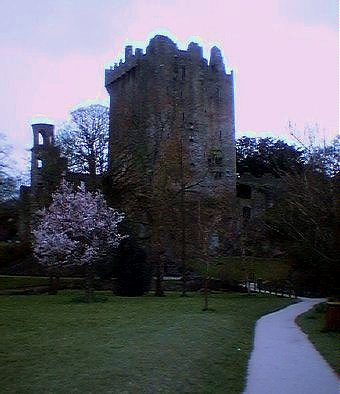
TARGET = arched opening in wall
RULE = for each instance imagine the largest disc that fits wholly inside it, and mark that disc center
(218, 175)
(40, 188)
(243, 191)
(41, 138)
(39, 163)
(246, 212)
(215, 157)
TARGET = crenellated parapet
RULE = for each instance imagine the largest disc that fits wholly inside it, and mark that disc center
(161, 48)
(123, 67)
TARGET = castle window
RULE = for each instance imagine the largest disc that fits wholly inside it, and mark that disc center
(40, 187)
(183, 73)
(215, 158)
(243, 191)
(41, 138)
(246, 212)
(218, 175)
(39, 163)
(183, 116)
(220, 135)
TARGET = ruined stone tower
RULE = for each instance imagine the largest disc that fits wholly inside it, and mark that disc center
(46, 165)
(167, 90)
(47, 168)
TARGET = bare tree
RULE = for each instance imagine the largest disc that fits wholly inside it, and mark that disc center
(305, 219)
(8, 182)
(84, 140)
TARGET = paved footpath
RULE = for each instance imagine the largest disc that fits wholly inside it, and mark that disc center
(284, 361)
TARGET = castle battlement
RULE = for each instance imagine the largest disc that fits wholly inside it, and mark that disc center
(120, 70)
(155, 93)
(162, 48)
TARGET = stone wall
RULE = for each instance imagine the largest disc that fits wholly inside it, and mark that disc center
(167, 90)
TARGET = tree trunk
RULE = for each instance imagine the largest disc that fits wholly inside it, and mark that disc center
(159, 292)
(92, 171)
(206, 292)
(206, 286)
(54, 282)
(89, 292)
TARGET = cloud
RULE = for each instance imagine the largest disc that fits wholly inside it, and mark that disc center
(60, 27)
(311, 12)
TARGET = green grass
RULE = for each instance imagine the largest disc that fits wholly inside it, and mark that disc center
(18, 282)
(326, 342)
(56, 344)
(15, 282)
(238, 268)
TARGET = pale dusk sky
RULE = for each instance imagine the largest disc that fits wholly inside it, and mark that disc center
(284, 53)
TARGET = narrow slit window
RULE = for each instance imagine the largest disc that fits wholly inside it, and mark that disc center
(246, 212)
(183, 73)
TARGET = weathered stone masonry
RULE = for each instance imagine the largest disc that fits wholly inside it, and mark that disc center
(154, 93)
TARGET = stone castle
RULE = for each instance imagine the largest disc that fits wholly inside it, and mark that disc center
(167, 90)
(154, 96)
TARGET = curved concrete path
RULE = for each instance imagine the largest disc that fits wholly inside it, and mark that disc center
(283, 360)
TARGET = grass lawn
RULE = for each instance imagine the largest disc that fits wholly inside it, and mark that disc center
(16, 282)
(57, 344)
(327, 342)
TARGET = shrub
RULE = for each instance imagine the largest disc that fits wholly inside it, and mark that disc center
(132, 272)
(13, 252)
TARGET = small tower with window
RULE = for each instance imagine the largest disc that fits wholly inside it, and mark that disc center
(46, 166)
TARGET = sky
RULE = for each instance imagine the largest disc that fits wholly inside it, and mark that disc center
(284, 54)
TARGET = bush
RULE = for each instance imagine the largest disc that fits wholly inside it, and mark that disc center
(13, 252)
(132, 272)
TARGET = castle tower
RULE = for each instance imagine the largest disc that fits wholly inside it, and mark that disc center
(43, 140)
(167, 104)
(46, 165)
(154, 94)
